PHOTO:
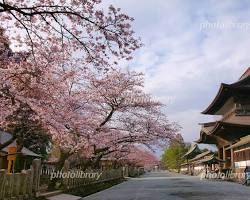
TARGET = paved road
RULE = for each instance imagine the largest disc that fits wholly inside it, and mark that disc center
(169, 186)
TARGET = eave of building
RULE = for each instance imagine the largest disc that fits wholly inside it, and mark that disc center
(24, 150)
(210, 159)
(191, 150)
(199, 156)
(245, 74)
(205, 134)
(230, 131)
(3, 153)
(225, 92)
(206, 139)
(243, 141)
(184, 164)
(221, 132)
(4, 136)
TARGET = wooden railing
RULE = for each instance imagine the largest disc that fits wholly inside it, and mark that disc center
(30, 183)
(19, 186)
(15, 185)
(105, 176)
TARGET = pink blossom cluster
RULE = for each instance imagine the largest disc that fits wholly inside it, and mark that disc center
(66, 77)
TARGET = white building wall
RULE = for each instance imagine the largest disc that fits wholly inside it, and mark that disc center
(242, 164)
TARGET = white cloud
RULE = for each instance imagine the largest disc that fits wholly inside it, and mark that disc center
(182, 61)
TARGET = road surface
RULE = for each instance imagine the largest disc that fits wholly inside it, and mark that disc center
(166, 185)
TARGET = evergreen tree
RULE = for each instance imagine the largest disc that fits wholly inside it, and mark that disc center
(172, 157)
(29, 131)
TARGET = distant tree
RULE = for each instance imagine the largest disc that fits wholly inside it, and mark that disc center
(172, 157)
(176, 140)
(28, 131)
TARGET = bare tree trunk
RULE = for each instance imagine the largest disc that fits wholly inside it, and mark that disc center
(20, 159)
(59, 166)
(96, 162)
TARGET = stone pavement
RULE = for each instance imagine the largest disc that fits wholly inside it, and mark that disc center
(64, 197)
(169, 186)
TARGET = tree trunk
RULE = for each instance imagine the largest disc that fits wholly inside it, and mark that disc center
(20, 159)
(59, 166)
(96, 162)
(86, 164)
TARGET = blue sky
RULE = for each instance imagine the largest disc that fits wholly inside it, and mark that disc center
(184, 62)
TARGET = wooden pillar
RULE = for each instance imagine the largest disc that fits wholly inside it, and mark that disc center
(125, 171)
(3, 174)
(224, 156)
(66, 168)
(210, 167)
(36, 168)
(219, 154)
(232, 158)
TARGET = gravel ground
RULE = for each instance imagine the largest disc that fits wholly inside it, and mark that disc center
(166, 185)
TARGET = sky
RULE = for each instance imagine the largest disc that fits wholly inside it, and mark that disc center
(190, 48)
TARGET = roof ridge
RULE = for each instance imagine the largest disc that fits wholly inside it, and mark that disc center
(245, 74)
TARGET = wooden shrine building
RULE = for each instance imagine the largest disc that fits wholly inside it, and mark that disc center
(198, 162)
(232, 131)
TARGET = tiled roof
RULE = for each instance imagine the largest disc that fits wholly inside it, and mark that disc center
(246, 74)
(209, 159)
(200, 155)
(192, 148)
(4, 136)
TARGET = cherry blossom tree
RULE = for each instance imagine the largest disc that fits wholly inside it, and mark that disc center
(42, 86)
(142, 157)
(134, 156)
(95, 34)
(58, 74)
(61, 40)
(58, 37)
(127, 115)
(105, 114)
(98, 113)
